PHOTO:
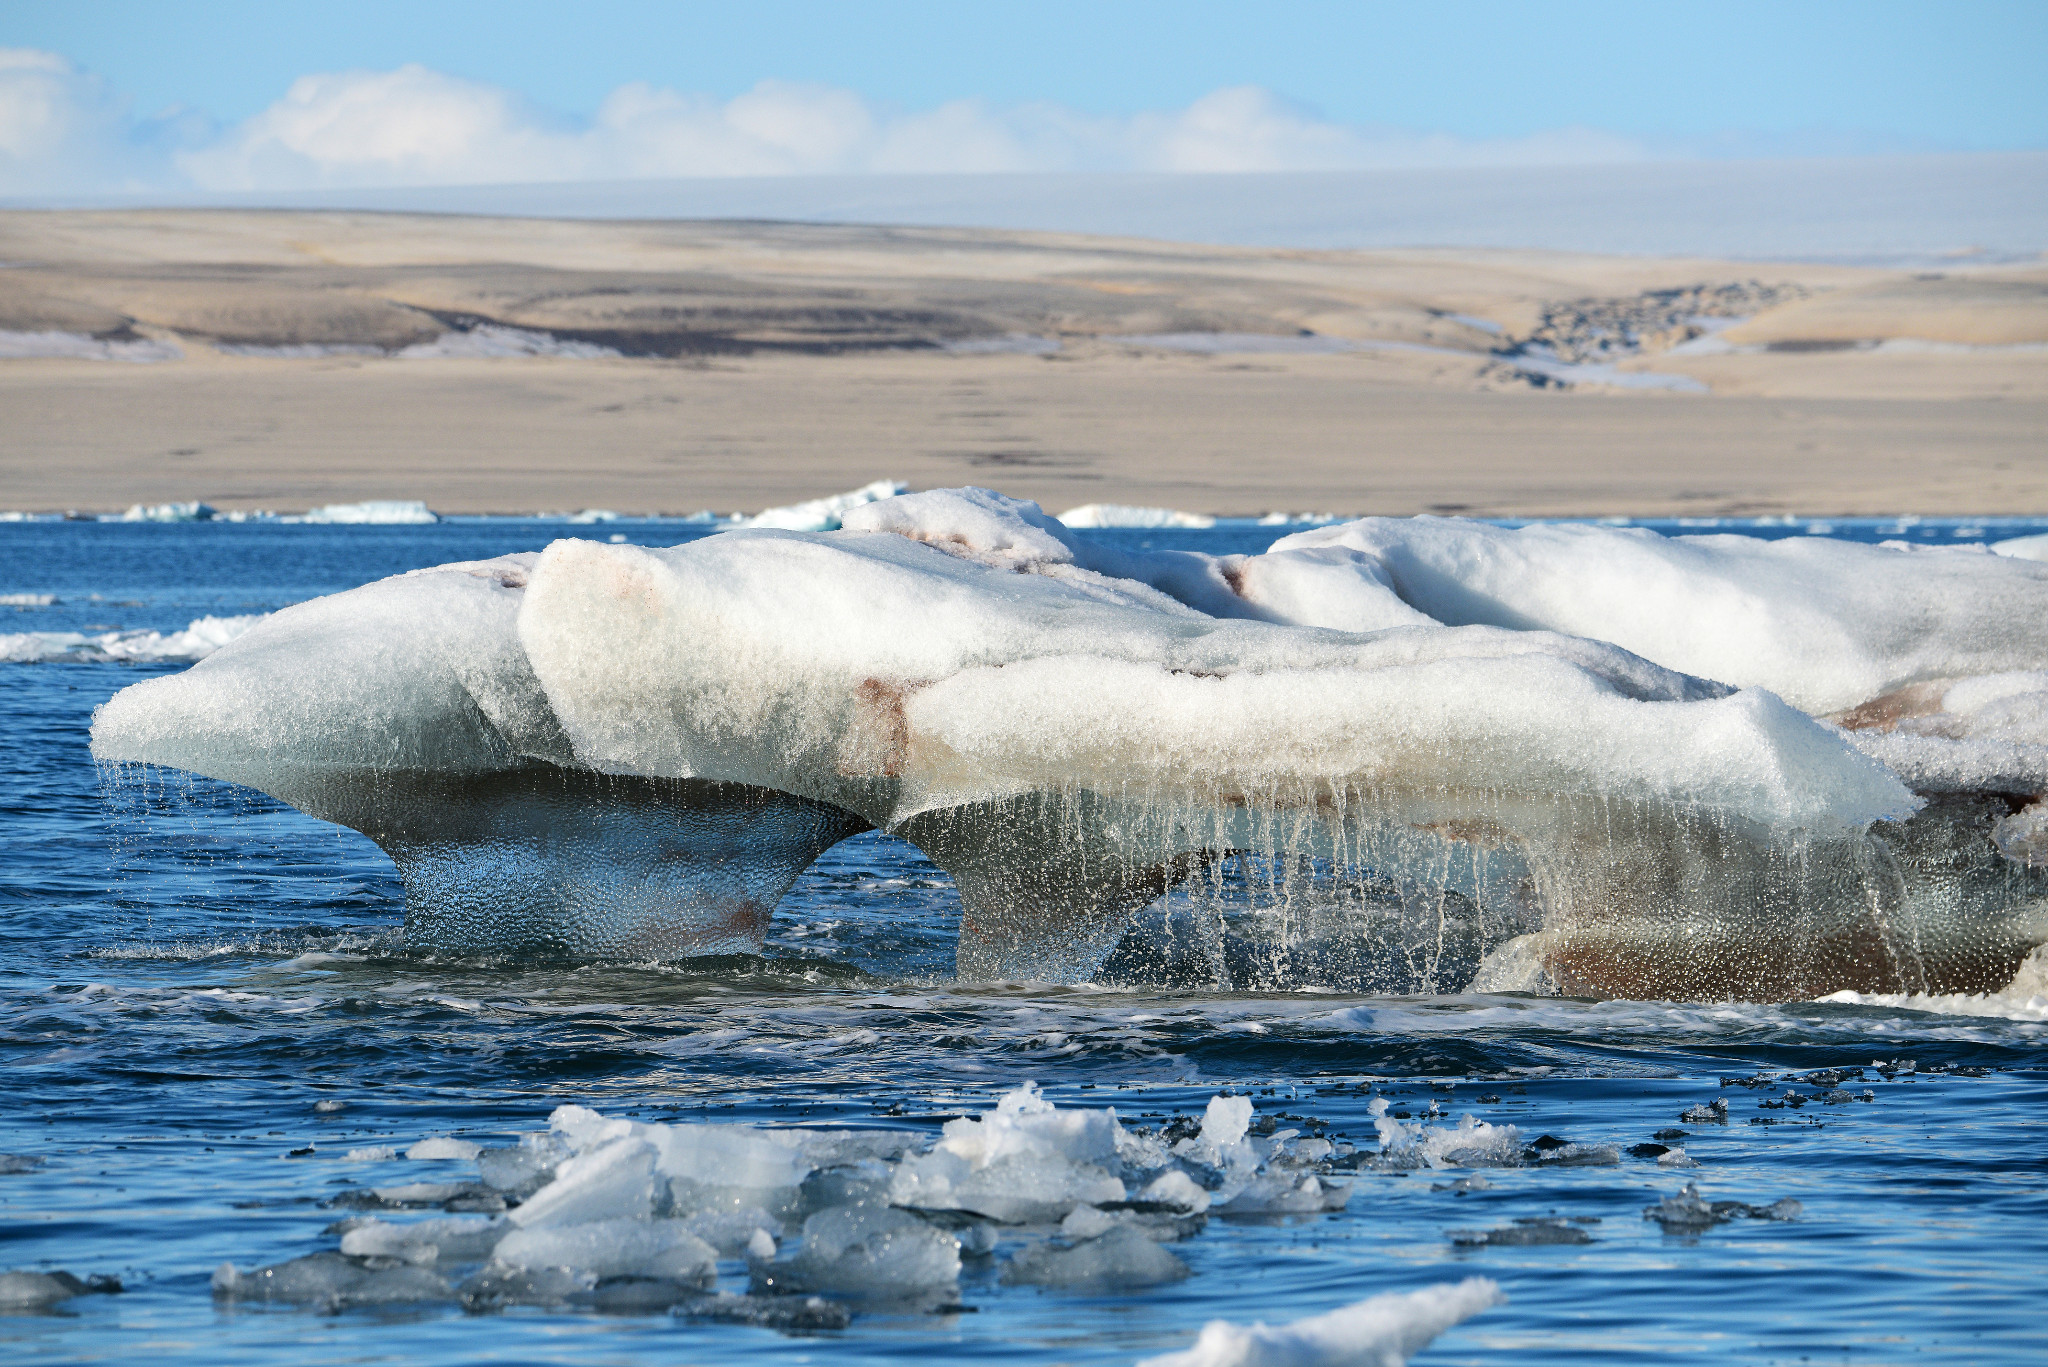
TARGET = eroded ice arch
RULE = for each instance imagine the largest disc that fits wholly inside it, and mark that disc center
(654, 742)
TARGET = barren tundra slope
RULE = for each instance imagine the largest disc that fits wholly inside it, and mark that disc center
(278, 360)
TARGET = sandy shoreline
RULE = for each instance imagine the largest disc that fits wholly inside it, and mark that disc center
(778, 363)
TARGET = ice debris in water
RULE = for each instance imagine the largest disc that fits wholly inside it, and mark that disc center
(1529, 1232)
(371, 1153)
(1688, 1210)
(26, 1290)
(440, 1146)
(619, 1214)
(1713, 1112)
(1384, 1331)
(617, 751)
(19, 1162)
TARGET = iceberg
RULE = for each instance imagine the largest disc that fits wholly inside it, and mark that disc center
(385, 511)
(617, 751)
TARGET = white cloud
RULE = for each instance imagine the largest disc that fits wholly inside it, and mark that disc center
(62, 131)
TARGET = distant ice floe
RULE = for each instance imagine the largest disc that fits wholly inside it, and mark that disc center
(27, 600)
(394, 512)
(197, 641)
(2023, 547)
(170, 512)
(824, 514)
(1383, 1331)
(77, 346)
(1125, 515)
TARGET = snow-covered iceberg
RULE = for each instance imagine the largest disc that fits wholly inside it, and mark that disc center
(609, 749)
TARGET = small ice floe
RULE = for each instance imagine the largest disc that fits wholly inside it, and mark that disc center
(440, 1146)
(332, 1281)
(77, 346)
(197, 641)
(381, 512)
(1384, 1331)
(27, 600)
(591, 516)
(1713, 1112)
(193, 511)
(374, 1153)
(1529, 1232)
(329, 1106)
(1688, 1211)
(1551, 1152)
(12, 1163)
(1126, 515)
(823, 514)
(24, 1290)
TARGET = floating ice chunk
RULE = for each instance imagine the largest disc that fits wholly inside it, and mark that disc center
(748, 1231)
(1533, 1232)
(1125, 515)
(1713, 1112)
(23, 1290)
(170, 512)
(374, 1153)
(1472, 1143)
(1825, 624)
(823, 514)
(1025, 1125)
(1384, 1331)
(590, 516)
(441, 1146)
(867, 1251)
(1686, 1211)
(11, 1163)
(1119, 1257)
(664, 1249)
(613, 1181)
(497, 1285)
(27, 600)
(789, 1314)
(1675, 1158)
(449, 1241)
(331, 1281)
(1284, 1193)
(1177, 1189)
(381, 511)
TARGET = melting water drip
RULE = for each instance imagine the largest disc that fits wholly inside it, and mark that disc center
(1355, 891)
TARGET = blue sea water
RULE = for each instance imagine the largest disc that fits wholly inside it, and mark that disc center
(189, 969)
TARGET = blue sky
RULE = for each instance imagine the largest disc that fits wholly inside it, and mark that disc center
(646, 89)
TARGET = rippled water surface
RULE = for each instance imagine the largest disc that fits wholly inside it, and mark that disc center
(189, 970)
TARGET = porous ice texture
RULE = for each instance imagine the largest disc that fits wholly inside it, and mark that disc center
(610, 750)
(1384, 1331)
(1825, 624)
